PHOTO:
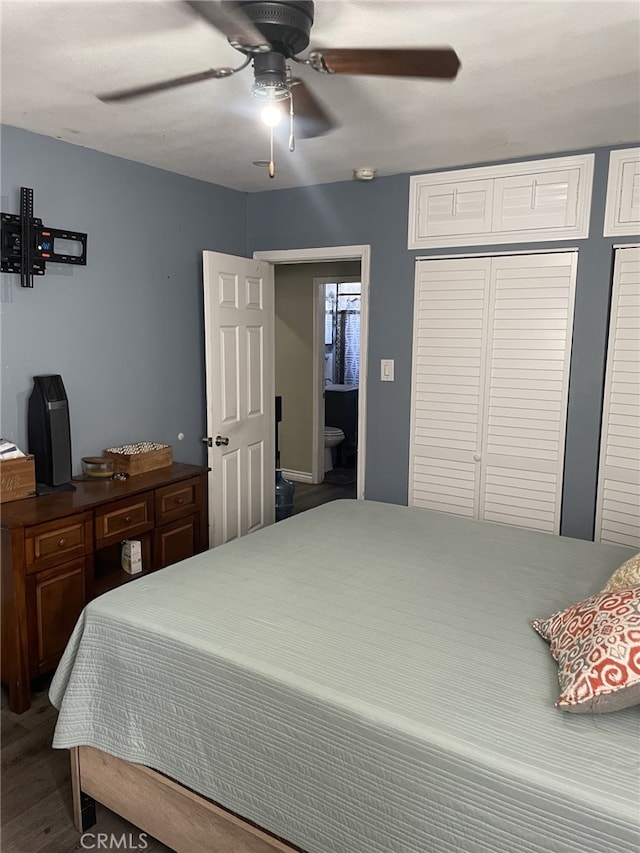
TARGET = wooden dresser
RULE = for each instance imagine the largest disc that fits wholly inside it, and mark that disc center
(61, 550)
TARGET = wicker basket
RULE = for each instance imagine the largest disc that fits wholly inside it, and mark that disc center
(140, 458)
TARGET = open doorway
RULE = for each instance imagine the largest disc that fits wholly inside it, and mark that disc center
(316, 351)
(307, 367)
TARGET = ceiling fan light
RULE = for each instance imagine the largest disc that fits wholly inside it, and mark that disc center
(271, 115)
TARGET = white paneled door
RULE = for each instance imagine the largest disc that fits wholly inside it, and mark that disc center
(492, 345)
(618, 503)
(239, 343)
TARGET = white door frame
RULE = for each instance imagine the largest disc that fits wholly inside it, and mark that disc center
(360, 253)
(317, 411)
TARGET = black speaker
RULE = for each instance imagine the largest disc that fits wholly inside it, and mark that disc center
(49, 433)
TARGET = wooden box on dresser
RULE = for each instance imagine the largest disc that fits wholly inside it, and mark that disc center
(61, 550)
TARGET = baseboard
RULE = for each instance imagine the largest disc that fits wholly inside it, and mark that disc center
(297, 476)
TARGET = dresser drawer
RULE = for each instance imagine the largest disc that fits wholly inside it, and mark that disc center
(57, 541)
(178, 500)
(124, 519)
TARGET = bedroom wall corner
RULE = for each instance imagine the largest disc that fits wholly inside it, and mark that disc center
(126, 331)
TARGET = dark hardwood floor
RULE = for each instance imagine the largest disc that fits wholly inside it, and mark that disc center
(36, 790)
(338, 484)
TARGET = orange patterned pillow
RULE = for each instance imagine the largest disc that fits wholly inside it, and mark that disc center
(597, 646)
(628, 574)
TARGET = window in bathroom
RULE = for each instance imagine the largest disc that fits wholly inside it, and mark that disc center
(342, 333)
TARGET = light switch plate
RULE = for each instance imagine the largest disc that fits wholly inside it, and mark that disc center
(386, 369)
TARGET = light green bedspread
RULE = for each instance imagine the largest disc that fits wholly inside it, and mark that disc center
(363, 678)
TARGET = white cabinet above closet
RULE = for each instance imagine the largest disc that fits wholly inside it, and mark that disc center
(622, 211)
(519, 202)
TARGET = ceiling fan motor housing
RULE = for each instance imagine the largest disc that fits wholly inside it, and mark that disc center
(270, 77)
(286, 26)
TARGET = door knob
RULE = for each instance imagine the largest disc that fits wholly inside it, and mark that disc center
(221, 441)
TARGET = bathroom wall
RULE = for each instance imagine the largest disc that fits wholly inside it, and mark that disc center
(294, 355)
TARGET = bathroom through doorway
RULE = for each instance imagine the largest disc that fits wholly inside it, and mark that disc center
(342, 298)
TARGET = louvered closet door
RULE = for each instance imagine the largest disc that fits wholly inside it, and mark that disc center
(451, 312)
(492, 342)
(618, 504)
(527, 379)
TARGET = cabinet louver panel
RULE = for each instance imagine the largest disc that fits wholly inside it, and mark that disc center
(490, 381)
(618, 513)
(622, 211)
(465, 208)
(451, 312)
(630, 195)
(546, 201)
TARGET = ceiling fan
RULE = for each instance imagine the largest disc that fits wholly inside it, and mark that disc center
(273, 32)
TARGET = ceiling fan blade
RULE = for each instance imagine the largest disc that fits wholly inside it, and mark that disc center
(310, 118)
(152, 88)
(233, 23)
(439, 62)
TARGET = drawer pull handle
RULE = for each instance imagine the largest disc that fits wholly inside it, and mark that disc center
(62, 542)
(127, 519)
(179, 500)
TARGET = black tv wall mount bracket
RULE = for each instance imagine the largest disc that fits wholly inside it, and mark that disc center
(27, 244)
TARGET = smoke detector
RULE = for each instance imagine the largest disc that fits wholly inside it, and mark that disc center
(366, 173)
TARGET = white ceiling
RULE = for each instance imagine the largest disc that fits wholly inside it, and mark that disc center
(536, 78)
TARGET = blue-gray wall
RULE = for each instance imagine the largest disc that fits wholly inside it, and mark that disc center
(126, 331)
(377, 213)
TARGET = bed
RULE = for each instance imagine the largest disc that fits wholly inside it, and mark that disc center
(359, 678)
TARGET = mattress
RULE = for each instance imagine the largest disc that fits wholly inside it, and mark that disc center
(363, 678)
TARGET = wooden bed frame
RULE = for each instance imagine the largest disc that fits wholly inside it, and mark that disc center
(171, 813)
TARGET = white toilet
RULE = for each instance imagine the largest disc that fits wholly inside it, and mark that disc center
(332, 438)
